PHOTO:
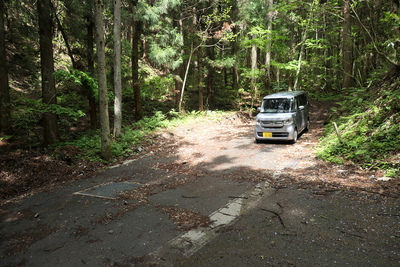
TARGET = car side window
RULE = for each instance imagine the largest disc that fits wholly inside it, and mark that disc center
(292, 104)
(304, 100)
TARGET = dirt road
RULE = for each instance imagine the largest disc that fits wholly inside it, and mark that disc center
(206, 195)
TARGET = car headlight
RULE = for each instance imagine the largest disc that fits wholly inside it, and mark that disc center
(258, 122)
(288, 121)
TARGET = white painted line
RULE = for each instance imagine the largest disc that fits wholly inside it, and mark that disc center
(112, 191)
(91, 195)
(190, 242)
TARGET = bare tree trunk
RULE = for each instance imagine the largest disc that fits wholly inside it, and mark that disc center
(117, 70)
(235, 69)
(347, 45)
(5, 112)
(254, 68)
(200, 78)
(211, 75)
(180, 71)
(269, 45)
(102, 80)
(51, 134)
(135, 70)
(90, 94)
(180, 109)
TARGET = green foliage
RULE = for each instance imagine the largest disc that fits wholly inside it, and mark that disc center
(77, 77)
(165, 45)
(30, 111)
(370, 132)
(156, 87)
(290, 66)
(227, 62)
(257, 36)
(153, 122)
(130, 138)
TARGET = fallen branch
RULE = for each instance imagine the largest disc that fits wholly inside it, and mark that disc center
(347, 233)
(277, 215)
(337, 132)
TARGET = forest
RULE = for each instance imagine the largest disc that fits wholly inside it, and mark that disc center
(98, 75)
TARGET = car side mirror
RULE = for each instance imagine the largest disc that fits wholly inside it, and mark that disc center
(258, 109)
(301, 107)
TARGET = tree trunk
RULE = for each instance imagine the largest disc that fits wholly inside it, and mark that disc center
(135, 69)
(211, 74)
(180, 104)
(90, 58)
(347, 46)
(102, 80)
(269, 46)
(300, 61)
(5, 112)
(200, 77)
(254, 68)
(51, 134)
(180, 71)
(117, 70)
(235, 69)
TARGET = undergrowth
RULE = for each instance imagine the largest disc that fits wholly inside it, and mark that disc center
(369, 126)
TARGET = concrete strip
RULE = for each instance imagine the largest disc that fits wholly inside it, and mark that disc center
(190, 242)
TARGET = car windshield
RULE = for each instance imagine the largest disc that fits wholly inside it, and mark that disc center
(277, 105)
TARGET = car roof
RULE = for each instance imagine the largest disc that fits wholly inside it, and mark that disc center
(287, 94)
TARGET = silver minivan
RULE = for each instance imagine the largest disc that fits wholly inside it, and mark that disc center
(282, 116)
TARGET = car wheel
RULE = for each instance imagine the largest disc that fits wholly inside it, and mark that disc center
(295, 134)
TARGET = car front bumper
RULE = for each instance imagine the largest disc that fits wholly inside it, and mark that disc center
(281, 133)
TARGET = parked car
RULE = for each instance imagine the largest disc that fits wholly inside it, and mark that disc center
(282, 116)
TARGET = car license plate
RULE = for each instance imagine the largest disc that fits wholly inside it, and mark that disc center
(267, 134)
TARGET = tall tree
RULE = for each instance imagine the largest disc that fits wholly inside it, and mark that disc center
(135, 56)
(46, 27)
(347, 45)
(102, 80)
(90, 62)
(268, 52)
(5, 113)
(136, 29)
(117, 70)
(254, 67)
